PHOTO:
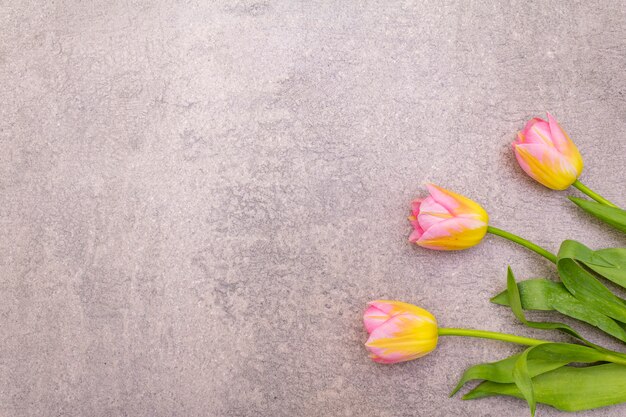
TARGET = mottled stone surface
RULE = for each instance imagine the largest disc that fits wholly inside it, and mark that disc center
(197, 198)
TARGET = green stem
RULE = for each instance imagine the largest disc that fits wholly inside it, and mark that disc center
(586, 190)
(521, 241)
(484, 334)
(610, 356)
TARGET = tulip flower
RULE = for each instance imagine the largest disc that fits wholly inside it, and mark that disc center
(448, 221)
(400, 332)
(548, 155)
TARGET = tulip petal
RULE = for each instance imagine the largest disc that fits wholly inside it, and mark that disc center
(537, 131)
(520, 139)
(416, 234)
(546, 165)
(403, 337)
(456, 204)
(386, 306)
(417, 229)
(521, 160)
(565, 145)
(378, 359)
(392, 308)
(415, 206)
(443, 197)
(559, 137)
(395, 326)
(454, 234)
(431, 213)
(374, 317)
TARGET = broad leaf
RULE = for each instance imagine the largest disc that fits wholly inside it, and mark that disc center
(613, 216)
(502, 371)
(567, 388)
(523, 380)
(540, 359)
(609, 263)
(587, 289)
(615, 273)
(546, 295)
(515, 303)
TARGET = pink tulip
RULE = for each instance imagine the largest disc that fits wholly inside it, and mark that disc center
(399, 331)
(447, 221)
(547, 154)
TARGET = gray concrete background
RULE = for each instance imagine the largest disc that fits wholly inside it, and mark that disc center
(198, 198)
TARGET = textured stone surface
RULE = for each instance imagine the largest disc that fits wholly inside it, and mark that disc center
(197, 199)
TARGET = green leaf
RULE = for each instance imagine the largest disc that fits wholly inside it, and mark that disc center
(613, 216)
(546, 295)
(502, 371)
(580, 295)
(575, 353)
(535, 294)
(540, 359)
(609, 263)
(576, 250)
(567, 388)
(515, 303)
(524, 369)
(587, 289)
(615, 273)
(523, 380)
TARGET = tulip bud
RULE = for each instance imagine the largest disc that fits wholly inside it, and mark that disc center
(547, 154)
(399, 331)
(447, 221)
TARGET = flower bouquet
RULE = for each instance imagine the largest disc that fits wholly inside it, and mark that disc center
(568, 376)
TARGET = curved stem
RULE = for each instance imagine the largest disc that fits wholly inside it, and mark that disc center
(484, 334)
(586, 190)
(609, 355)
(521, 241)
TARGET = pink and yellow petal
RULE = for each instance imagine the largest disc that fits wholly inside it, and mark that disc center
(565, 145)
(444, 197)
(416, 234)
(537, 131)
(559, 138)
(547, 166)
(403, 337)
(457, 204)
(454, 234)
(392, 307)
(415, 206)
(431, 213)
(374, 317)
